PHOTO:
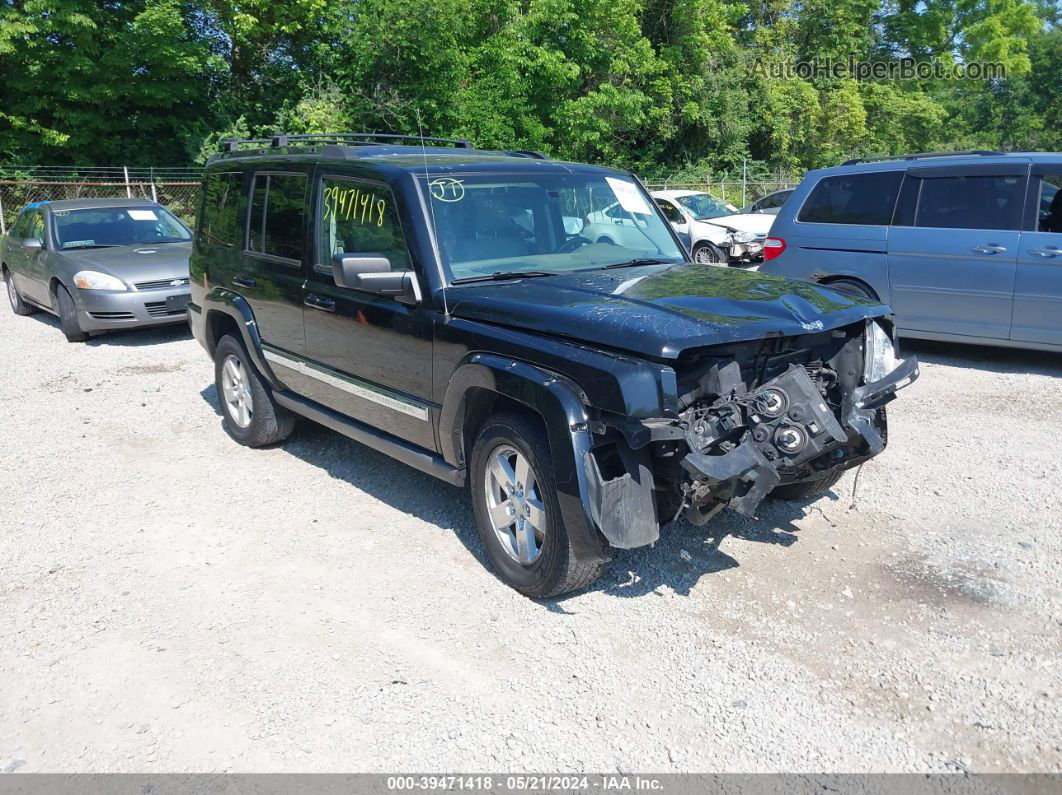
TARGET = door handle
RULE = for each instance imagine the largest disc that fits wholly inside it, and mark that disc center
(320, 302)
(1050, 251)
(989, 248)
(244, 281)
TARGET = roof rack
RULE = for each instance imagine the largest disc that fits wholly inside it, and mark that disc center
(282, 140)
(920, 155)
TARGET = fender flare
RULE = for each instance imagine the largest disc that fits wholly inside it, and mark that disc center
(235, 306)
(560, 404)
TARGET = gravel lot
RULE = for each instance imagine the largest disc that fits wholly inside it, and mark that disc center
(172, 601)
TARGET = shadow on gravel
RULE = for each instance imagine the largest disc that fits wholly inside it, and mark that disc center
(984, 357)
(131, 338)
(631, 573)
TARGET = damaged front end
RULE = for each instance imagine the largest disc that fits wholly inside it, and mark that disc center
(795, 411)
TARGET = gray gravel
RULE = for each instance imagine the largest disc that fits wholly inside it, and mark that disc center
(172, 601)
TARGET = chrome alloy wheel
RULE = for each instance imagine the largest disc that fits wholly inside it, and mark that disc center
(237, 391)
(706, 256)
(514, 504)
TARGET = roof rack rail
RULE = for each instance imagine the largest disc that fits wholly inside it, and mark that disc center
(282, 140)
(920, 155)
(526, 153)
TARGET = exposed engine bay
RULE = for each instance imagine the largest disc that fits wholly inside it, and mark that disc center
(791, 409)
(755, 416)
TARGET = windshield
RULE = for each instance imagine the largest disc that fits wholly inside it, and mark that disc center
(116, 226)
(548, 223)
(702, 206)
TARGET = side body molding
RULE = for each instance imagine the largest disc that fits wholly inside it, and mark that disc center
(559, 402)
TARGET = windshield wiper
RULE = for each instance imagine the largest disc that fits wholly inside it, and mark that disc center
(97, 245)
(501, 276)
(631, 263)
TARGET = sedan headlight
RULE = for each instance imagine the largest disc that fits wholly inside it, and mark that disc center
(743, 237)
(93, 280)
(880, 356)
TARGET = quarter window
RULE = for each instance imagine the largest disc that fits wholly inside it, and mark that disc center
(971, 202)
(360, 218)
(277, 215)
(864, 199)
(221, 209)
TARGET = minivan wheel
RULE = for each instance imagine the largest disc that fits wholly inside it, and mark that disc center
(250, 414)
(707, 253)
(514, 498)
(852, 287)
(18, 306)
(68, 322)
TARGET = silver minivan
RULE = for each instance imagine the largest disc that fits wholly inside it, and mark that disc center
(964, 246)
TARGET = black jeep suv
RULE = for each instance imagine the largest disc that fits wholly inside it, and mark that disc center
(443, 304)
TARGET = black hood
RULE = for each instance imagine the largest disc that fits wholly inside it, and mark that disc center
(657, 312)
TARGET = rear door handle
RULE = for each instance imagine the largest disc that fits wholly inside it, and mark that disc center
(1050, 251)
(989, 248)
(244, 281)
(320, 302)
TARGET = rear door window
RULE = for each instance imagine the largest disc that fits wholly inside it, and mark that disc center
(278, 214)
(971, 202)
(864, 199)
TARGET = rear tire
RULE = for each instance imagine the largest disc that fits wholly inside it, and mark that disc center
(18, 306)
(808, 488)
(68, 322)
(537, 560)
(250, 415)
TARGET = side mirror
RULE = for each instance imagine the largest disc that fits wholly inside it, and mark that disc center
(33, 243)
(371, 273)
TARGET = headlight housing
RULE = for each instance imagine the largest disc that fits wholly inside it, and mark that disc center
(879, 358)
(742, 237)
(94, 280)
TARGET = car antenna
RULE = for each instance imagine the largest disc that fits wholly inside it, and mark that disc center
(431, 208)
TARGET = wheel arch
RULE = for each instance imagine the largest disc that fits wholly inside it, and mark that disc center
(843, 277)
(227, 312)
(484, 385)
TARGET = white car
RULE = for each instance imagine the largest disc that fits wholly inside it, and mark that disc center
(613, 224)
(718, 233)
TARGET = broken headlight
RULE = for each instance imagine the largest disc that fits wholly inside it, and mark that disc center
(879, 358)
(742, 237)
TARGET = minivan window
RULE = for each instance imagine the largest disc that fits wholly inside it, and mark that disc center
(1050, 206)
(221, 209)
(277, 214)
(360, 218)
(865, 199)
(971, 202)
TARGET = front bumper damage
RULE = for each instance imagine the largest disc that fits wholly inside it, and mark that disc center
(782, 439)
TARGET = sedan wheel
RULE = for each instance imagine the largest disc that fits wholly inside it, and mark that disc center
(236, 388)
(514, 504)
(708, 254)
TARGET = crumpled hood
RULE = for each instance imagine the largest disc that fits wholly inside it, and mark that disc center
(756, 223)
(139, 263)
(658, 312)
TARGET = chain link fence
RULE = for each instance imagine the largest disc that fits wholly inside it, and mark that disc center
(734, 192)
(177, 189)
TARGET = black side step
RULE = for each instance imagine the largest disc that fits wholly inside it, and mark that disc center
(408, 454)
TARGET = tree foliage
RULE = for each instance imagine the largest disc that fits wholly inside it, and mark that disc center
(658, 85)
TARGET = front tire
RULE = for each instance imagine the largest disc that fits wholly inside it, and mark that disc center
(808, 488)
(514, 498)
(68, 322)
(707, 253)
(251, 416)
(18, 306)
